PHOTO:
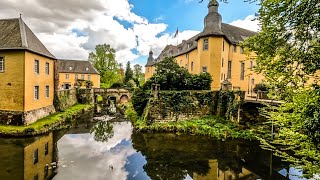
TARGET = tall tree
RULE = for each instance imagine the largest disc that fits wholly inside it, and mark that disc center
(138, 75)
(288, 55)
(103, 59)
(129, 73)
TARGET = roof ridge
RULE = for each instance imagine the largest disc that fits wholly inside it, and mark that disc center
(239, 27)
(24, 41)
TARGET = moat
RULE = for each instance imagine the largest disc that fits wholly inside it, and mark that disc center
(114, 150)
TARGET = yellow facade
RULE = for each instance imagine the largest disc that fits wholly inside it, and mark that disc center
(42, 80)
(12, 81)
(216, 60)
(32, 168)
(19, 80)
(70, 78)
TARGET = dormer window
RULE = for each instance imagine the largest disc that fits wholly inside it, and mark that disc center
(70, 68)
(170, 53)
(87, 69)
(179, 49)
(189, 45)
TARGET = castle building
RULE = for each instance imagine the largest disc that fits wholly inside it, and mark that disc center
(215, 50)
(72, 70)
(26, 75)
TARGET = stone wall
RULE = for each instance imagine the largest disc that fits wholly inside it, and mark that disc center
(65, 99)
(19, 118)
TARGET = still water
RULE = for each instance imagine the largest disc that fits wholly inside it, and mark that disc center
(113, 150)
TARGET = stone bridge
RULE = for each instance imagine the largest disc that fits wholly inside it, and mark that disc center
(119, 96)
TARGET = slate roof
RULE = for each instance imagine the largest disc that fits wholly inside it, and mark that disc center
(76, 66)
(15, 34)
(151, 60)
(213, 27)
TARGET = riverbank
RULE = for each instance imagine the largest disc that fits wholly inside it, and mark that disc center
(212, 126)
(46, 124)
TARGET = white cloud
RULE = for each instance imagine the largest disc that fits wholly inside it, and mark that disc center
(249, 23)
(70, 29)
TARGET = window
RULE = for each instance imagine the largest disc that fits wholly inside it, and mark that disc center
(187, 56)
(36, 66)
(189, 45)
(186, 66)
(242, 71)
(1, 64)
(205, 44)
(222, 45)
(229, 69)
(82, 77)
(180, 62)
(171, 52)
(179, 49)
(46, 149)
(47, 68)
(76, 76)
(35, 156)
(47, 91)
(148, 70)
(252, 81)
(222, 62)
(251, 64)
(191, 66)
(234, 48)
(204, 69)
(67, 76)
(221, 76)
(36, 92)
(241, 50)
(89, 77)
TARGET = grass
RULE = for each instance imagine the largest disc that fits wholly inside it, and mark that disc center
(45, 124)
(212, 126)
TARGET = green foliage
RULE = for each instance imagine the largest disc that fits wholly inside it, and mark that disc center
(103, 59)
(103, 131)
(140, 99)
(288, 53)
(212, 126)
(261, 87)
(128, 74)
(131, 85)
(45, 124)
(130, 113)
(117, 85)
(170, 76)
(138, 75)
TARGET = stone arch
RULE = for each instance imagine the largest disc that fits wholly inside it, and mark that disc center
(124, 99)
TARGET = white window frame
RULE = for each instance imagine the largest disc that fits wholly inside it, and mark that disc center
(47, 92)
(36, 66)
(204, 69)
(2, 62)
(47, 68)
(67, 76)
(82, 77)
(89, 77)
(205, 44)
(36, 93)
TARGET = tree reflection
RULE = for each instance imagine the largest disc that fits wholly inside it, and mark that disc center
(103, 131)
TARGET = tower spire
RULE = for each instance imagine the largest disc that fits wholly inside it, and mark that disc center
(212, 22)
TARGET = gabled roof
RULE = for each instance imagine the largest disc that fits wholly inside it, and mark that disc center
(15, 34)
(76, 66)
(231, 33)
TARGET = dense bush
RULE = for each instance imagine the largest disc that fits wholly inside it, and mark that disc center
(117, 85)
(140, 99)
(260, 87)
(170, 76)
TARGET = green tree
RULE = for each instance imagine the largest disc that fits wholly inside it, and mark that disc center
(138, 75)
(103, 59)
(128, 74)
(288, 54)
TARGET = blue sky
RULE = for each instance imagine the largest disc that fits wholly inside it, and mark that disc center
(188, 14)
(71, 30)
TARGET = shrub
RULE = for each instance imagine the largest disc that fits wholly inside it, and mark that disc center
(260, 87)
(117, 85)
(140, 99)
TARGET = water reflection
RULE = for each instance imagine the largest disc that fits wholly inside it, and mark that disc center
(113, 150)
